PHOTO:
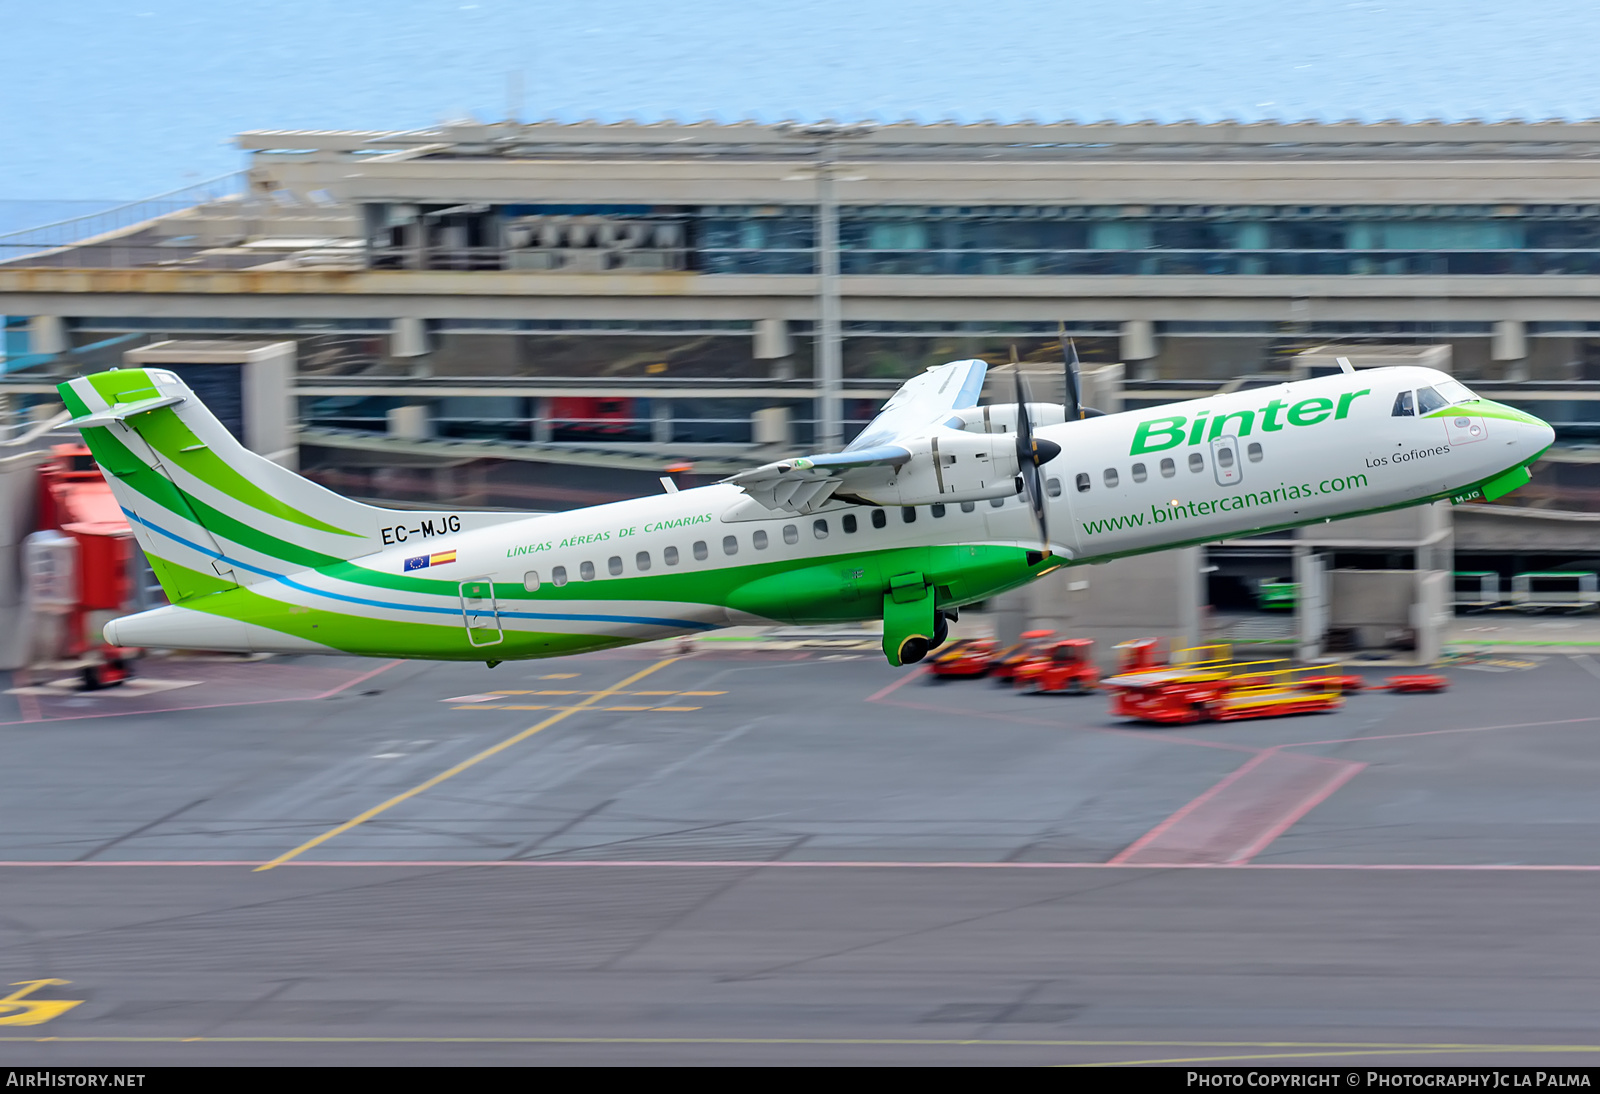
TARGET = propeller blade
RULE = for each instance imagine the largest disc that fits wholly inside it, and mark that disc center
(1074, 393)
(1032, 452)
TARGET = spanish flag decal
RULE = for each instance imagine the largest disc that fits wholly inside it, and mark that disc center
(422, 562)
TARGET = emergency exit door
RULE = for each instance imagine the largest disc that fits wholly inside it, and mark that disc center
(480, 613)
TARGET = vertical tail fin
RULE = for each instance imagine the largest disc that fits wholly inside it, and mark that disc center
(209, 513)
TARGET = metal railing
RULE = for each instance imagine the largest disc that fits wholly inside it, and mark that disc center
(64, 233)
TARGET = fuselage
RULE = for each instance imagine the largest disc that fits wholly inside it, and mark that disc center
(695, 560)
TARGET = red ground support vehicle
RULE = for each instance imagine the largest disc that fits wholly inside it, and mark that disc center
(1418, 682)
(75, 499)
(1344, 684)
(1065, 667)
(1194, 693)
(1006, 661)
(964, 657)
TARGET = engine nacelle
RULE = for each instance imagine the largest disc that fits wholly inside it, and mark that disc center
(951, 466)
(1002, 417)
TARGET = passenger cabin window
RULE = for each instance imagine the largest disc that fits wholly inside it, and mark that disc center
(641, 561)
(791, 534)
(586, 571)
(700, 550)
(1197, 462)
(558, 576)
(530, 581)
(1402, 406)
(1429, 400)
(936, 509)
(1081, 481)
(1139, 473)
(669, 555)
(879, 518)
(614, 565)
(730, 545)
(849, 522)
(1111, 477)
(1052, 487)
(819, 528)
(1168, 468)
(969, 506)
(908, 513)
(758, 539)
(1225, 457)
(1254, 452)
(995, 503)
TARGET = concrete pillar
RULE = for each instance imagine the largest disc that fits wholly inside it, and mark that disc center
(1510, 340)
(661, 421)
(410, 423)
(408, 337)
(48, 334)
(772, 339)
(771, 427)
(541, 421)
(1311, 603)
(1138, 340)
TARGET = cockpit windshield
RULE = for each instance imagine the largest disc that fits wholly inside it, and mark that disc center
(1428, 399)
(1454, 391)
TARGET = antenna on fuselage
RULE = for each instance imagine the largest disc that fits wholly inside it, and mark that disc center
(1345, 366)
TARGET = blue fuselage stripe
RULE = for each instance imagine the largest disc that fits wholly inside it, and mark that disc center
(638, 620)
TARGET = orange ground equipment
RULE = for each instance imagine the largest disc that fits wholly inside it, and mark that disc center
(1206, 686)
(1065, 667)
(968, 657)
(1417, 682)
(75, 499)
(1007, 660)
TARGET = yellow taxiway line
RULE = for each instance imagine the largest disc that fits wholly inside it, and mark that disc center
(462, 766)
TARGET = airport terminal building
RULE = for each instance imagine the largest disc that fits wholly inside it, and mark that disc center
(605, 301)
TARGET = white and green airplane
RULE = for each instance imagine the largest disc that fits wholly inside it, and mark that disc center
(939, 503)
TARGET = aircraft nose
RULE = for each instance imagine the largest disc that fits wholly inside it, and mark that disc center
(1540, 436)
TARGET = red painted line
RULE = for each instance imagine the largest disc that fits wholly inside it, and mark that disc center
(362, 679)
(900, 683)
(1159, 830)
(1396, 867)
(1305, 806)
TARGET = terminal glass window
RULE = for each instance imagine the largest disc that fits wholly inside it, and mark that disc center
(586, 571)
(879, 518)
(791, 534)
(700, 551)
(642, 561)
(614, 565)
(669, 555)
(530, 581)
(730, 545)
(758, 539)
(558, 576)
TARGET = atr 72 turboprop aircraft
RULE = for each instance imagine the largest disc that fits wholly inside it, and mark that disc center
(937, 504)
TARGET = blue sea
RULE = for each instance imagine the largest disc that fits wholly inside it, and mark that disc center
(107, 100)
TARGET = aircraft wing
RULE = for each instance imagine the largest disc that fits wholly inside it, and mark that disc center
(923, 404)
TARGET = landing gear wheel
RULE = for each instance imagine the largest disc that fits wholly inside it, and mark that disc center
(913, 650)
(941, 630)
